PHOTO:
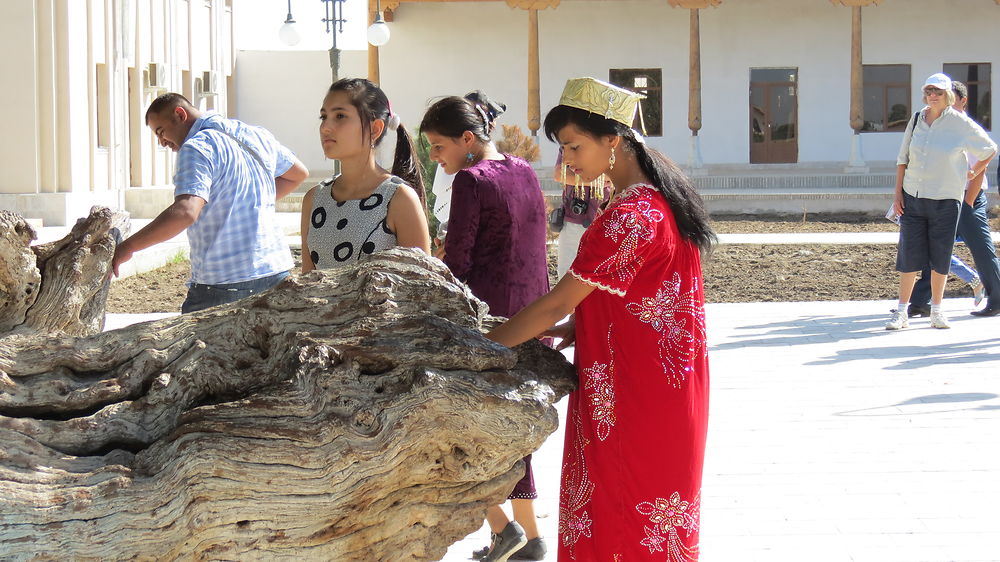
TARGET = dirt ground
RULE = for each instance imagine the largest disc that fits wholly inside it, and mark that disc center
(733, 273)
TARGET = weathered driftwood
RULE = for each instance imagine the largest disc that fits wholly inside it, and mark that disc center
(60, 287)
(358, 415)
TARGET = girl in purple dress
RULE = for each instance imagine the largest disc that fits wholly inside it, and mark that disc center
(495, 244)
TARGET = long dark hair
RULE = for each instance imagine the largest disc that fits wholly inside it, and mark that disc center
(452, 116)
(372, 103)
(687, 206)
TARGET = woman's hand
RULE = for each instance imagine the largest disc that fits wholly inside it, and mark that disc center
(897, 203)
(566, 332)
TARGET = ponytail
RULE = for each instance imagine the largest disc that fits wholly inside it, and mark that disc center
(372, 103)
(405, 165)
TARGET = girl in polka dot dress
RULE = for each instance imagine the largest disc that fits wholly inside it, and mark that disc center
(365, 209)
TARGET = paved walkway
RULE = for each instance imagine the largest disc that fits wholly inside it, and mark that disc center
(834, 440)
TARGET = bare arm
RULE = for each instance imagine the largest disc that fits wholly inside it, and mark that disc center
(898, 197)
(307, 204)
(406, 218)
(976, 176)
(287, 182)
(542, 314)
(169, 223)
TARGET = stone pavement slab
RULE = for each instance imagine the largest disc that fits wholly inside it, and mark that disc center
(831, 439)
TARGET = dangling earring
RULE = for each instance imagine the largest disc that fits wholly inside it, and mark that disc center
(469, 157)
(611, 160)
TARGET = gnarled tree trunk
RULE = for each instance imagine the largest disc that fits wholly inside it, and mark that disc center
(353, 415)
(60, 287)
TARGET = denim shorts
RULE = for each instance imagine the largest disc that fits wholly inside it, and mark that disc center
(926, 234)
(201, 296)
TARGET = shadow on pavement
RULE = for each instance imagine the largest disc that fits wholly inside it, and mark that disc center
(912, 357)
(906, 407)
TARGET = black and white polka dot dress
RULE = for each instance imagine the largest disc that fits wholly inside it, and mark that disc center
(342, 232)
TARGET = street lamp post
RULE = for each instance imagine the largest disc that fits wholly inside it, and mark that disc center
(334, 21)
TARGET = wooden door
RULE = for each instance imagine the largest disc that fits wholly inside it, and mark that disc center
(774, 113)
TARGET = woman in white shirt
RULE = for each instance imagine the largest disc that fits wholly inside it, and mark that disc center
(931, 176)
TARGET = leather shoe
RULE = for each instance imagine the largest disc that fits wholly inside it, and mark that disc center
(988, 311)
(918, 310)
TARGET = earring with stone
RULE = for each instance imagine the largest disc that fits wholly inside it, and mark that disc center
(469, 157)
(611, 161)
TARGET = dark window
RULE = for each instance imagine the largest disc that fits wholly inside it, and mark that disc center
(886, 96)
(646, 81)
(977, 77)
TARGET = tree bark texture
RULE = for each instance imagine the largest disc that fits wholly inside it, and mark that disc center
(350, 415)
(60, 287)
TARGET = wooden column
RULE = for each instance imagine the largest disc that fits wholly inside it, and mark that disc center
(695, 162)
(856, 159)
(857, 72)
(372, 49)
(694, 75)
(856, 163)
(534, 100)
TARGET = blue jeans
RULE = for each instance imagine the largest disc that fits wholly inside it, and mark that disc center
(974, 228)
(200, 296)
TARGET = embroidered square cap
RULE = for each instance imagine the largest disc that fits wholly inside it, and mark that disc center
(939, 81)
(595, 96)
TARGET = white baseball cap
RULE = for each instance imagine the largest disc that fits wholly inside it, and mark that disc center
(939, 80)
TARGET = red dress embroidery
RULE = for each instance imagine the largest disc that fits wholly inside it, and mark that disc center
(635, 443)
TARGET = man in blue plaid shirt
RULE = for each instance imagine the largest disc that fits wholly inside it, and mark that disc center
(228, 177)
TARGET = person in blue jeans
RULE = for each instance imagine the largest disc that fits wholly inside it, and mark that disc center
(974, 229)
(228, 177)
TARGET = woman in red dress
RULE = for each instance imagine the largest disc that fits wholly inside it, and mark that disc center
(635, 434)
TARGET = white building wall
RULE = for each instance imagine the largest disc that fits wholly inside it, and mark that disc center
(442, 49)
(453, 47)
(927, 34)
(19, 148)
(76, 136)
(283, 91)
(813, 37)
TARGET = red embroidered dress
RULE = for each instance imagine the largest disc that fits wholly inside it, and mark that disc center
(635, 433)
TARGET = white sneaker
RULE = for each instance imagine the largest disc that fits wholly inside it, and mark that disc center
(938, 320)
(978, 291)
(898, 320)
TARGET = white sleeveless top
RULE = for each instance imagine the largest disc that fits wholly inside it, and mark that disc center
(342, 232)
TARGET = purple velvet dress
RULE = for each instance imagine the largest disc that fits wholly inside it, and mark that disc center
(496, 244)
(497, 232)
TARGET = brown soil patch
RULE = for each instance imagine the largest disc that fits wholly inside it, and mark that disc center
(734, 272)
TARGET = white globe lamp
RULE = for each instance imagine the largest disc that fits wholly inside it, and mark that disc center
(378, 32)
(288, 34)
